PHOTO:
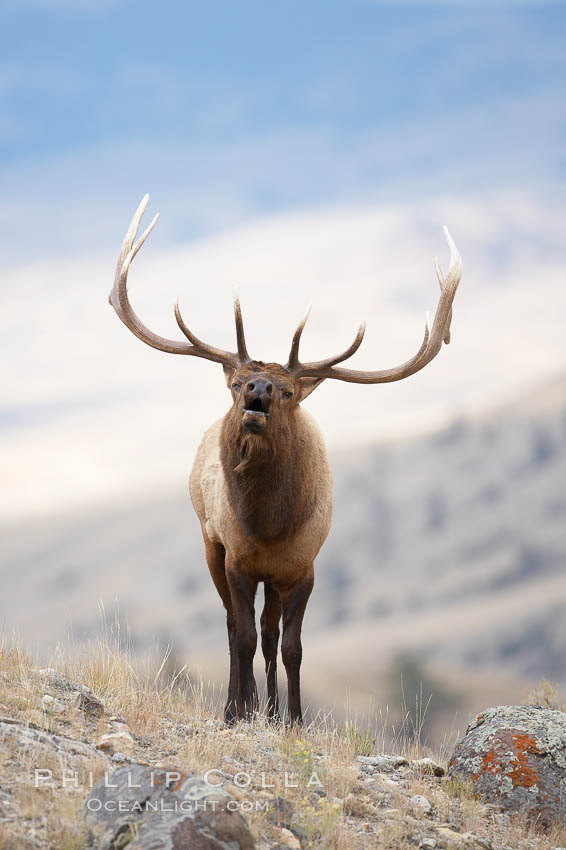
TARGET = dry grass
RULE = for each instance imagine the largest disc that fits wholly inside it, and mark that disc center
(178, 723)
(547, 695)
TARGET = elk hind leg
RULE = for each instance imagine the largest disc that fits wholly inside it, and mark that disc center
(270, 618)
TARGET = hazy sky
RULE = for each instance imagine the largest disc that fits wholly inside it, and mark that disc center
(300, 150)
(226, 111)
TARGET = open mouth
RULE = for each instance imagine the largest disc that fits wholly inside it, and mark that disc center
(256, 406)
(255, 416)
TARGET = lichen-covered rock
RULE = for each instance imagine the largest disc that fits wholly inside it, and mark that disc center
(516, 757)
(145, 808)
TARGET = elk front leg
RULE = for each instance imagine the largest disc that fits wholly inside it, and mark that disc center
(215, 558)
(293, 603)
(270, 617)
(242, 592)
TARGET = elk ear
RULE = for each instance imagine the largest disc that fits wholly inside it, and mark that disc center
(307, 385)
(228, 374)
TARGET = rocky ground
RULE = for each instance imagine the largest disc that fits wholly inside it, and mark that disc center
(326, 786)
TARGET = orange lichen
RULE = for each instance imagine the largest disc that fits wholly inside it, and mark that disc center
(521, 772)
(490, 764)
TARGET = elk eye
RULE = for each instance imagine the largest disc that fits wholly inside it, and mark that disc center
(236, 387)
(287, 395)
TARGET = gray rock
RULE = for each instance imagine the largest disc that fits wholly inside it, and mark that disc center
(148, 807)
(281, 812)
(183, 730)
(516, 757)
(421, 803)
(49, 704)
(31, 738)
(90, 704)
(470, 841)
(428, 767)
(118, 741)
(482, 843)
(56, 679)
(383, 763)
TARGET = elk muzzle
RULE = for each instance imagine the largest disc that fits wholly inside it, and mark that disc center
(257, 403)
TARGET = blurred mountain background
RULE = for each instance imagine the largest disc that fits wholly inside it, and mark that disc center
(444, 569)
(300, 152)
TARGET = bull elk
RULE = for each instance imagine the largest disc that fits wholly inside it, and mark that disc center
(261, 483)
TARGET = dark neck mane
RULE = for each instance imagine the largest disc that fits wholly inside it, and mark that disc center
(270, 479)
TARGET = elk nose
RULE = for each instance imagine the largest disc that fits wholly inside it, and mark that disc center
(260, 393)
(260, 387)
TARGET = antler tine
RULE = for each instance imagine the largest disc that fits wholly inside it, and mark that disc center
(126, 247)
(452, 278)
(441, 284)
(184, 328)
(439, 274)
(293, 361)
(240, 336)
(143, 237)
(135, 223)
(431, 345)
(120, 301)
(321, 365)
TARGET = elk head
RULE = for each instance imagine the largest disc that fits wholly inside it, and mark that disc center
(262, 392)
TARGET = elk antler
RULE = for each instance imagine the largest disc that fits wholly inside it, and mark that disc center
(119, 300)
(431, 345)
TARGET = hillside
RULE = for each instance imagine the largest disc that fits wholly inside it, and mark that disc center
(446, 551)
(325, 786)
